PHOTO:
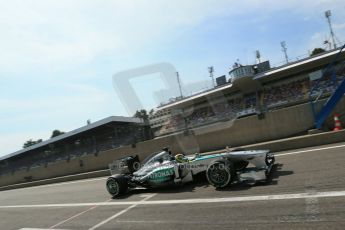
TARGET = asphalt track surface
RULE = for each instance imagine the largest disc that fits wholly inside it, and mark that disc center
(306, 191)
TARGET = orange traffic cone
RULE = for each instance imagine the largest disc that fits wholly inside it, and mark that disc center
(337, 124)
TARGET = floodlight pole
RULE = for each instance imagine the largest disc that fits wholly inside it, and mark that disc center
(284, 49)
(258, 55)
(179, 83)
(328, 16)
(211, 70)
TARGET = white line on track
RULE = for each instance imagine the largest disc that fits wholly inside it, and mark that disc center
(312, 209)
(192, 201)
(309, 150)
(75, 216)
(121, 212)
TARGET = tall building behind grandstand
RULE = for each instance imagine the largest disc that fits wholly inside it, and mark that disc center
(249, 90)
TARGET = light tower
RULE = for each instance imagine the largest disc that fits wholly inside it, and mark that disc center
(258, 55)
(211, 70)
(179, 83)
(328, 16)
(284, 49)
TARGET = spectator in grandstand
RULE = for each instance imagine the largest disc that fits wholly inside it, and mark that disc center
(285, 93)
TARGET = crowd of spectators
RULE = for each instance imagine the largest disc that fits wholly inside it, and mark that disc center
(285, 93)
(326, 85)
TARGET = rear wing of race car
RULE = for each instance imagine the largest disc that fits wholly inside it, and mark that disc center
(125, 165)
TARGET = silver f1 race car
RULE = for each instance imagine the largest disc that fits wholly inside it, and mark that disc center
(162, 169)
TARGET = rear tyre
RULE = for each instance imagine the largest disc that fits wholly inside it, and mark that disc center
(220, 174)
(117, 185)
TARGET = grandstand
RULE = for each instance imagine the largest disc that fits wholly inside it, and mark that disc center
(250, 90)
(109, 133)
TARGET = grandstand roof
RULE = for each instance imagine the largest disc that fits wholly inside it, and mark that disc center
(75, 132)
(306, 63)
(195, 96)
(281, 71)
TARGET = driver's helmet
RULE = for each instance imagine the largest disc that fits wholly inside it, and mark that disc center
(180, 158)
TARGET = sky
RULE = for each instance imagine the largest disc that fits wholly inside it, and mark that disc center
(57, 57)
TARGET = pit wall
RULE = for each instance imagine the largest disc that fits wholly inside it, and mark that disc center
(274, 125)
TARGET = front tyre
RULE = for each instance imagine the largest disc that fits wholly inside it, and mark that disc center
(117, 185)
(219, 174)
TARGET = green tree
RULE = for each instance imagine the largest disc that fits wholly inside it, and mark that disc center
(317, 51)
(31, 142)
(142, 114)
(56, 133)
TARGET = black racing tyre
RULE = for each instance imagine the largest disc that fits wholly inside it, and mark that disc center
(220, 173)
(117, 185)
